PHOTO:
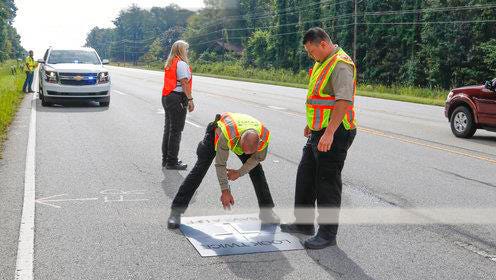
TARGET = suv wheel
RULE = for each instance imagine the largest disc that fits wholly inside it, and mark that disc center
(43, 102)
(462, 123)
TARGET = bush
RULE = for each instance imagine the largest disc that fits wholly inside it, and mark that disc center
(10, 96)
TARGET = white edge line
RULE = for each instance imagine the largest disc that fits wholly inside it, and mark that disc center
(25, 247)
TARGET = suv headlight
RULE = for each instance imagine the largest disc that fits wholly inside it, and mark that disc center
(450, 95)
(103, 77)
(51, 76)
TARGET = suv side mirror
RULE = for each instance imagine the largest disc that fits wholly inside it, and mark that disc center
(40, 60)
(105, 61)
(490, 85)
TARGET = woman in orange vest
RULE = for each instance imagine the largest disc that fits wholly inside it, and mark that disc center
(176, 99)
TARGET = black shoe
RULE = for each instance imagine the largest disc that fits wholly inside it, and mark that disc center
(297, 228)
(177, 166)
(174, 220)
(319, 242)
(164, 163)
(267, 216)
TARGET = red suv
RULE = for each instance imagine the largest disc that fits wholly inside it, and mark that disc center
(470, 108)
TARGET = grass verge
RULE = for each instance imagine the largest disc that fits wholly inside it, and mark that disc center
(279, 77)
(10, 97)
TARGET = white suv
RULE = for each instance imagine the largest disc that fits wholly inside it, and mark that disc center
(73, 74)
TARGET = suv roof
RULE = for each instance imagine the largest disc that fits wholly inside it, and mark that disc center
(72, 49)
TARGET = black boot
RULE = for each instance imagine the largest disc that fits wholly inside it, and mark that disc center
(178, 166)
(174, 219)
(320, 241)
(298, 228)
(164, 163)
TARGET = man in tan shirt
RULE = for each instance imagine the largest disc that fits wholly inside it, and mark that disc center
(330, 129)
(215, 146)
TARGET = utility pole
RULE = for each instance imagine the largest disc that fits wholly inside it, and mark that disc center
(124, 54)
(355, 30)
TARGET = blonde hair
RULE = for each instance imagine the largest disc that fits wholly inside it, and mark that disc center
(178, 50)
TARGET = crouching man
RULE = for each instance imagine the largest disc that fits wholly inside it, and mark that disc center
(246, 137)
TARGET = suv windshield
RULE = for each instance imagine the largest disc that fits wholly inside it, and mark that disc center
(73, 56)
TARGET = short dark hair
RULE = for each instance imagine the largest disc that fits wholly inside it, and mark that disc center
(316, 35)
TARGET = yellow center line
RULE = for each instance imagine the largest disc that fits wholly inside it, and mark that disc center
(374, 132)
(379, 133)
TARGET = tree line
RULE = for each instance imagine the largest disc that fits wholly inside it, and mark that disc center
(424, 43)
(10, 45)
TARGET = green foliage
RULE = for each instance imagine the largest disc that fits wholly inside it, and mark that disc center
(137, 30)
(237, 69)
(417, 43)
(101, 39)
(260, 50)
(10, 96)
(10, 46)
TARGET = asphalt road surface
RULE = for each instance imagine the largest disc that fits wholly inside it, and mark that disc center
(102, 198)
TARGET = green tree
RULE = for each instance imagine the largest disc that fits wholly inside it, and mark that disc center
(260, 50)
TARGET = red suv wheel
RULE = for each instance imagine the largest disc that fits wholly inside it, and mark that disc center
(462, 122)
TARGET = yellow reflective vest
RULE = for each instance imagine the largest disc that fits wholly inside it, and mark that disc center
(30, 64)
(233, 125)
(320, 104)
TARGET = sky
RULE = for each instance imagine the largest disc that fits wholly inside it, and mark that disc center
(65, 23)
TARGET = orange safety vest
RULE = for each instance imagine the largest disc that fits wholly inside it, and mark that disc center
(233, 125)
(170, 77)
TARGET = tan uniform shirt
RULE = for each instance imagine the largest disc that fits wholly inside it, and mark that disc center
(340, 83)
(221, 161)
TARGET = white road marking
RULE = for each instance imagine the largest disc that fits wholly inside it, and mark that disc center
(119, 194)
(276, 108)
(162, 112)
(193, 124)
(25, 247)
(45, 200)
(119, 92)
(476, 250)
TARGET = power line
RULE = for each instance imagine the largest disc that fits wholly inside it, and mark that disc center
(379, 13)
(368, 23)
(272, 14)
(273, 26)
(428, 22)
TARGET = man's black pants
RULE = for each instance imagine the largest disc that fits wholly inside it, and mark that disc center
(206, 154)
(175, 105)
(319, 178)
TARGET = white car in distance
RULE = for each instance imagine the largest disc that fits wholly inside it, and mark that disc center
(73, 74)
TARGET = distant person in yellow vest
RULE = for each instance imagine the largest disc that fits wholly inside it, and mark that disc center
(246, 137)
(330, 129)
(29, 67)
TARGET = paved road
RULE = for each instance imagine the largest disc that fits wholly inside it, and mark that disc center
(104, 198)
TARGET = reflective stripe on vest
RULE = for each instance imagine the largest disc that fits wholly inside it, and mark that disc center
(319, 105)
(233, 125)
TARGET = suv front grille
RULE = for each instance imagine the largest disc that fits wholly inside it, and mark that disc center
(78, 79)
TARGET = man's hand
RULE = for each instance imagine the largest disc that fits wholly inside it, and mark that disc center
(232, 174)
(191, 106)
(307, 131)
(325, 142)
(227, 199)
